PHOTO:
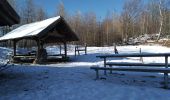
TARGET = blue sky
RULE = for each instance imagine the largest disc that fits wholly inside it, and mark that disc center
(100, 7)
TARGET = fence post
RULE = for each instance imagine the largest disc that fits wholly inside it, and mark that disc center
(85, 49)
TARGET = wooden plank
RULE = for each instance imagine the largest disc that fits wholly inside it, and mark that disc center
(24, 57)
(136, 64)
(80, 50)
(56, 55)
(161, 70)
(136, 55)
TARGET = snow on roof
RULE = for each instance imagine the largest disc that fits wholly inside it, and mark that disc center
(31, 29)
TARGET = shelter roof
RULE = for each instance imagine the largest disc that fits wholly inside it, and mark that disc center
(50, 30)
(8, 15)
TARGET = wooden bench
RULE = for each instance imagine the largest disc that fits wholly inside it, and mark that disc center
(110, 64)
(136, 64)
(147, 67)
(23, 58)
(57, 55)
(134, 69)
(104, 57)
(80, 48)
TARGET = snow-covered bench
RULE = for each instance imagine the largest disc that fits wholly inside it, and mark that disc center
(134, 69)
(110, 64)
(149, 67)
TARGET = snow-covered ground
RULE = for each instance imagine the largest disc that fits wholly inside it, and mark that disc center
(75, 81)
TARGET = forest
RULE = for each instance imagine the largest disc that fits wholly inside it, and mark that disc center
(136, 18)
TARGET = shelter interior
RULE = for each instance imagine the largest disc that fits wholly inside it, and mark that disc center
(56, 32)
(29, 53)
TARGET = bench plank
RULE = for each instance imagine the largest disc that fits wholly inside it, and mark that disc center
(136, 55)
(161, 70)
(26, 56)
(80, 50)
(135, 64)
(56, 55)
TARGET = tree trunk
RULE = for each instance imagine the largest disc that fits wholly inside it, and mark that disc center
(161, 20)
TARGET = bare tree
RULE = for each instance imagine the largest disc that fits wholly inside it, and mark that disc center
(61, 10)
(136, 18)
(41, 14)
(161, 8)
(129, 17)
(28, 13)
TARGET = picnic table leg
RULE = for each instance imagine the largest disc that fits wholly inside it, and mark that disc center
(78, 52)
(166, 61)
(166, 74)
(97, 74)
(166, 80)
(110, 70)
(75, 51)
(85, 50)
(105, 66)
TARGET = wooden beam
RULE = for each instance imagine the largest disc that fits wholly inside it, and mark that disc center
(14, 48)
(85, 49)
(38, 49)
(60, 49)
(65, 49)
(41, 44)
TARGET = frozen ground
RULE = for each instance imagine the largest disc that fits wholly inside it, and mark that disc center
(75, 81)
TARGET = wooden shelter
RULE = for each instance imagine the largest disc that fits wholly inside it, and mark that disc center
(8, 16)
(52, 30)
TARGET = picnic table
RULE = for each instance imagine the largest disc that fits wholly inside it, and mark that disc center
(154, 67)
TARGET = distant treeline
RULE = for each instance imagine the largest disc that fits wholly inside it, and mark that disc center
(137, 18)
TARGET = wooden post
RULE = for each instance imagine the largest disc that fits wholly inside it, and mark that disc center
(97, 74)
(38, 48)
(115, 49)
(166, 61)
(14, 45)
(38, 52)
(60, 49)
(75, 50)
(141, 59)
(166, 74)
(41, 45)
(78, 52)
(85, 49)
(166, 80)
(105, 66)
(65, 49)
(110, 70)
(36, 60)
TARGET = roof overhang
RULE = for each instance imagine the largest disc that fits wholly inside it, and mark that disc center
(8, 16)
